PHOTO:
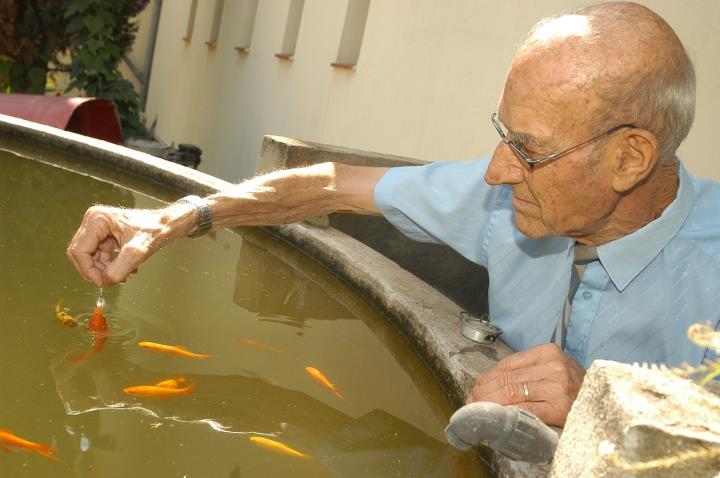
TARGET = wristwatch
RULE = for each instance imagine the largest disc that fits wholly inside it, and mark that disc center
(204, 216)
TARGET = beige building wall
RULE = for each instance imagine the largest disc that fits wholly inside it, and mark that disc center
(428, 76)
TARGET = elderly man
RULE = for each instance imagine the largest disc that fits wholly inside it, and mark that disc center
(594, 108)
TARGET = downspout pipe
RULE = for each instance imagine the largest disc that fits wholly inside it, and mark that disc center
(509, 430)
(157, 7)
(133, 68)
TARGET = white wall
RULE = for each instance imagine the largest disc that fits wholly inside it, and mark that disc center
(428, 76)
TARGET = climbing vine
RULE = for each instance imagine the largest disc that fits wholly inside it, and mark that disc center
(102, 33)
(85, 38)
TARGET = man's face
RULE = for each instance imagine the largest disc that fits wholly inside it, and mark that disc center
(543, 107)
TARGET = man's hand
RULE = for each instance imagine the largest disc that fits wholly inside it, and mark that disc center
(134, 234)
(551, 378)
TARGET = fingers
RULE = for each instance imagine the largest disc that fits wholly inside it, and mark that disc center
(514, 393)
(552, 365)
(103, 255)
(533, 356)
(543, 400)
(543, 380)
(528, 365)
(550, 401)
(562, 377)
(488, 384)
(103, 231)
(130, 256)
(83, 247)
(551, 412)
(134, 233)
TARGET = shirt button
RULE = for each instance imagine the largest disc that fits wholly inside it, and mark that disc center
(587, 294)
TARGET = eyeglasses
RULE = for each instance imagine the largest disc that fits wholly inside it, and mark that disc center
(502, 131)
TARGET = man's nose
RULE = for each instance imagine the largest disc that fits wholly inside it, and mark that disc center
(505, 167)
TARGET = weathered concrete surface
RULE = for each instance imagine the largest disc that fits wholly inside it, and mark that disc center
(109, 156)
(279, 152)
(429, 320)
(627, 415)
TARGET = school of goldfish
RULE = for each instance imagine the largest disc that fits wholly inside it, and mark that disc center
(173, 387)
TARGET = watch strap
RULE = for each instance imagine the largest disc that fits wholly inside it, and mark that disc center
(204, 214)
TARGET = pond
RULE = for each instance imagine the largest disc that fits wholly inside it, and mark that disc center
(260, 309)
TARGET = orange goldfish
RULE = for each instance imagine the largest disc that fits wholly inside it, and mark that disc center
(171, 350)
(320, 378)
(97, 321)
(172, 383)
(64, 318)
(278, 447)
(98, 326)
(164, 389)
(9, 440)
(98, 344)
(255, 343)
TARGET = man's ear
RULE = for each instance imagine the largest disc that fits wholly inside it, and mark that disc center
(638, 151)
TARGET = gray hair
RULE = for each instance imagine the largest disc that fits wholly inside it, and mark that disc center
(657, 95)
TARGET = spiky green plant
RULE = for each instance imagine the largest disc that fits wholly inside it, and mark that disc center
(703, 335)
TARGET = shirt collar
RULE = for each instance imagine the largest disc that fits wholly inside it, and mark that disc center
(625, 258)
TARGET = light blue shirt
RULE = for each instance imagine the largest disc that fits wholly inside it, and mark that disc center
(633, 305)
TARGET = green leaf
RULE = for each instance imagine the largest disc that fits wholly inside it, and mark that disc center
(72, 85)
(98, 64)
(93, 23)
(83, 58)
(37, 76)
(114, 51)
(74, 26)
(80, 41)
(5, 66)
(107, 17)
(94, 45)
(77, 6)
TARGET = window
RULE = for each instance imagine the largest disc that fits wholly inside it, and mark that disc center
(292, 27)
(215, 30)
(191, 20)
(248, 9)
(353, 31)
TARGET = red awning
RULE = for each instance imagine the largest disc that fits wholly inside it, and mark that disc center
(93, 117)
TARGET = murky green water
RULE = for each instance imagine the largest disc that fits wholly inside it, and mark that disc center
(202, 294)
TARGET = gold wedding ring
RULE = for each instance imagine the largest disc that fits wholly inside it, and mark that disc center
(526, 391)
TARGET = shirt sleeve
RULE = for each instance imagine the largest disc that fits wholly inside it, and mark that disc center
(444, 203)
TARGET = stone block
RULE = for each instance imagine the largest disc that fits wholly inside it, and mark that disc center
(639, 421)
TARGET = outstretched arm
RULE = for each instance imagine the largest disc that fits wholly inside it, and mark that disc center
(279, 197)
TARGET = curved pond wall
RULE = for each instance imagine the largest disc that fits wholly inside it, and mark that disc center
(429, 319)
